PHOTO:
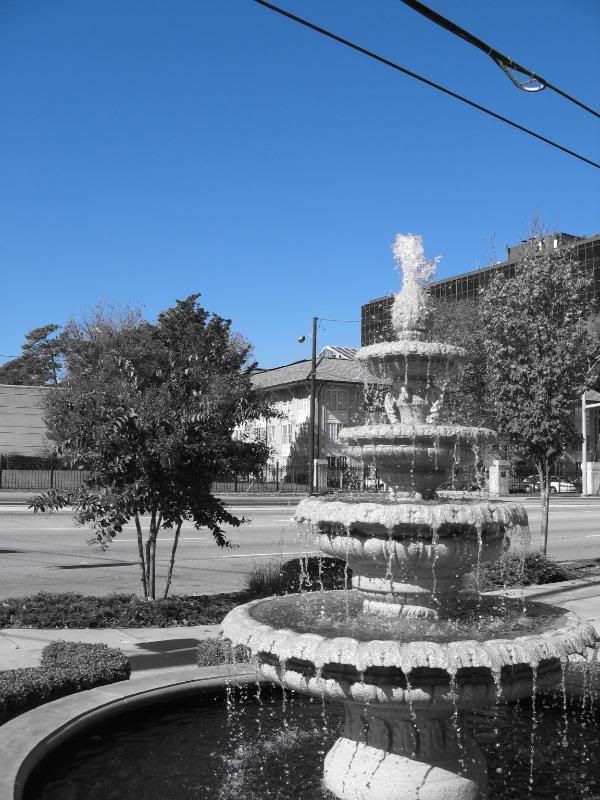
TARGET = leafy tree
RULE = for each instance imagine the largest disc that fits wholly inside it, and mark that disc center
(150, 409)
(40, 361)
(538, 356)
(467, 399)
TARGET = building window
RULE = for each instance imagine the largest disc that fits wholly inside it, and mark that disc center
(333, 430)
(337, 462)
(337, 399)
(287, 433)
(302, 406)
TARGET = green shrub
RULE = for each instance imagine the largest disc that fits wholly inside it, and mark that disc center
(534, 570)
(308, 574)
(69, 610)
(65, 668)
(214, 652)
(266, 580)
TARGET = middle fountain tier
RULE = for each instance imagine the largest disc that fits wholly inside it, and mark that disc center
(408, 647)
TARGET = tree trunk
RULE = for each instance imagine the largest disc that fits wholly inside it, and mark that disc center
(153, 571)
(172, 561)
(141, 559)
(149, 567)
(545, 498)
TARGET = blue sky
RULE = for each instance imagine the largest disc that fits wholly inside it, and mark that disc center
(150, 149)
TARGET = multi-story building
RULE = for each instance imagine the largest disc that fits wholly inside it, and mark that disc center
(376, 314)
(339, 402)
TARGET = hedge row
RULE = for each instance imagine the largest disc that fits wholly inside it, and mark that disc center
(69, 610)
(65, 668)
(213, 652)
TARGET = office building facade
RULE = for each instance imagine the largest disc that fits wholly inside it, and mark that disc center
(376, 325)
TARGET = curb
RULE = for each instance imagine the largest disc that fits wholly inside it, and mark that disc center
(16, 498)
(27, 739)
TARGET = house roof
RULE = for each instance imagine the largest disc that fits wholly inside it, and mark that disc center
(342, 370)
(334, 351)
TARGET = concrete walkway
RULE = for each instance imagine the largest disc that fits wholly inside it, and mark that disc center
(167, 648)
(146, 648)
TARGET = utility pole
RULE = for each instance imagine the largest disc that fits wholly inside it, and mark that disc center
(583, 447)
(313, 386)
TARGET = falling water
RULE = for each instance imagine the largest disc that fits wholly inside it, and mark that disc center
(563, 686)
(456, 721)
(413, 462)
(534, 723)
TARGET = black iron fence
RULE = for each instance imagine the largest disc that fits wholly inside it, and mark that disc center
(293, 476)
(36, 472)
(277, 476)
(566, 479)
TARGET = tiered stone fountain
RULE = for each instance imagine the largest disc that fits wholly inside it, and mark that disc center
(407, 649)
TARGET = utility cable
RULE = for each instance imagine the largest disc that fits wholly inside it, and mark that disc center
(420, 78)
(535, 82)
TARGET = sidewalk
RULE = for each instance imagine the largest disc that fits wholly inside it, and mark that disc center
(22, 497)
(146, 648)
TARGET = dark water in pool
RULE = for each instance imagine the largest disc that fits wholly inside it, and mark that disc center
(273, 749)
(470, 616)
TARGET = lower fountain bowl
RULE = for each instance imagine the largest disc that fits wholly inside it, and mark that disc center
(483, 650)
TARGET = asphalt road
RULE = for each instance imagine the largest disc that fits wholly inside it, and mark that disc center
(49, 553)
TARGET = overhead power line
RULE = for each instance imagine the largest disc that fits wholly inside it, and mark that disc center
(535, 82)
(416, 76)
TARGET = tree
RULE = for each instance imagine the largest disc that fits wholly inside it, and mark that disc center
(467, 399)
(538, 356)
(40, 361)
(150, 410)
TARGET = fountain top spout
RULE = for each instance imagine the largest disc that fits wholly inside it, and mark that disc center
(413, 308)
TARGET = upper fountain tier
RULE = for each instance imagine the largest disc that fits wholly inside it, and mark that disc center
(414, 451)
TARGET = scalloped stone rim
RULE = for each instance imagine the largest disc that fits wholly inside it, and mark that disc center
(390, 515)
(410, 347)
(389, 432)
(574, 636)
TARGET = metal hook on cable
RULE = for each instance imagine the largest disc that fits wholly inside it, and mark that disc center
(533, 83)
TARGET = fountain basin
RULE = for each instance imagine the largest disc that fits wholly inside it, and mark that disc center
(421, 362)
(409, 557)
(418, 456)
(482, 650)
(376, 517)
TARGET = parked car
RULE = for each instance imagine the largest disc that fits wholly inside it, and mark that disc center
(558, 485)
(563, 485)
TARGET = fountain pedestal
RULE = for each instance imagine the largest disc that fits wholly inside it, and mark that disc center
(398, 754)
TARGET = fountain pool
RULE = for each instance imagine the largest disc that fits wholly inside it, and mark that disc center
(217, 747)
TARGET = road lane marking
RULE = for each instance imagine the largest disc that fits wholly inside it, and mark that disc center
(166, 538)
(278, 553)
